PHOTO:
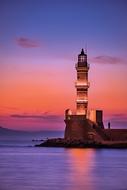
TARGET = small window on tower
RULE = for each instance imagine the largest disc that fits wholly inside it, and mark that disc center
(82, 58)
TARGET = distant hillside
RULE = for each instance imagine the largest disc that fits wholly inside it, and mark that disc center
(6, 131)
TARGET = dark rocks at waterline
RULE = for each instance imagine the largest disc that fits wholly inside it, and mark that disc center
(60, 142)
(36, 140)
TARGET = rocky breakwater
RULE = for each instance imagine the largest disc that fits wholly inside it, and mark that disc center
(61, 142)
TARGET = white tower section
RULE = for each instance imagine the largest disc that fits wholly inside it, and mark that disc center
(82, 84)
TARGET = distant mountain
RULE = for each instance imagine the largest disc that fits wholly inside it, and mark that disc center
(2, 129)
(6, 131)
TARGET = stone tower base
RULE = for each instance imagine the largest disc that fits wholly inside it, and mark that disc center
(80, 128)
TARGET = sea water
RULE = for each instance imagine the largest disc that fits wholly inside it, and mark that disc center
(25, 167)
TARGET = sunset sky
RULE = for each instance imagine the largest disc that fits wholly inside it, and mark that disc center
(39, 44)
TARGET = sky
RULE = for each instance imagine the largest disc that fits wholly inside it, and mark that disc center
(39, 44)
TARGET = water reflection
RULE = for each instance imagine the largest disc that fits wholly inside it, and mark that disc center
(80, 161)
(62, 169)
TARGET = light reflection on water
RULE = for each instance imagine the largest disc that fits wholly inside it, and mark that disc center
(80, 162)
(29, 168)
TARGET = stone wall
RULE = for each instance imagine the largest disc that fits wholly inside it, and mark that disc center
(80, 128)
(116, 134)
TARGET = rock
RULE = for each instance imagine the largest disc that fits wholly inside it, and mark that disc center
(61, 142)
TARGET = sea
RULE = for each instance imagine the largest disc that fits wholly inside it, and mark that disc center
(26, 167)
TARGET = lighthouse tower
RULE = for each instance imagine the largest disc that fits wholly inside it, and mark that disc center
(82, 84)
(83, 125)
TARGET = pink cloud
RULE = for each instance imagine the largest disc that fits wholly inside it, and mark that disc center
(33, 122)
(106, 59)
(118, 120)
(45, 116)
(27, 43)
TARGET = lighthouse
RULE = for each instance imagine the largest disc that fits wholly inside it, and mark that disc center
(82, 84)
(84, 124)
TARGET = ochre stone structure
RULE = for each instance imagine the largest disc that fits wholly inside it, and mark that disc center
(82, 84)
(85, 128)
(87, 125)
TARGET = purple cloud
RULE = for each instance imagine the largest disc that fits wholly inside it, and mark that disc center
(119, 119)
(27, 43)
(105, 59)
(48, 117)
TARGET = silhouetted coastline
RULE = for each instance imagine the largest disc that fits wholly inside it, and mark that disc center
(61, 142)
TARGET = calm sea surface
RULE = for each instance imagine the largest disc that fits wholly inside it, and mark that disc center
(24, 167)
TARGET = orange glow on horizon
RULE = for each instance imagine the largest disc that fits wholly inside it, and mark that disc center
(38, 88)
